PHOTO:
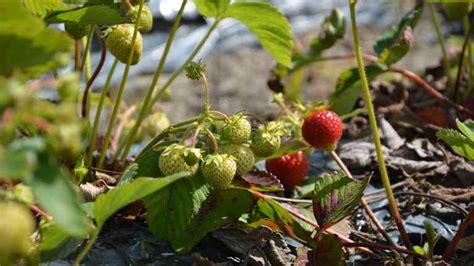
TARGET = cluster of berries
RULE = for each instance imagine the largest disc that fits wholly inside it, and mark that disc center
(239, 147)
(322, 130)
(119, 38)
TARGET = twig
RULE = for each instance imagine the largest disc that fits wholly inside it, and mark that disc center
(459, 234)
(363, 202)
(281, 199)
(435, 197)
(103, 54)
(39, 211)
(386, 247)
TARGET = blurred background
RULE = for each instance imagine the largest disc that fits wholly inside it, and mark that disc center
(237, 67)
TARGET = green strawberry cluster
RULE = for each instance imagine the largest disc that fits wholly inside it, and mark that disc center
(234, 153)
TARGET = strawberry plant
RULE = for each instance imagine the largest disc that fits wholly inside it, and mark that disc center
(214, 171)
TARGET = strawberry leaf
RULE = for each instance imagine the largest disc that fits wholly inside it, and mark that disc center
(458, 142)
(263, 181)
(268, 24)
(392, 36)
(211, 8)
(335, 197)
(42, 7)
(98, 14)
(467, 128)
(285, 221)
(348, 88)
(110, 202)
(193, 210)
(328, 251)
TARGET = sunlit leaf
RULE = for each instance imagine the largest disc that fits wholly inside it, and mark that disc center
(458, 142)
(42, 7)
(268, 24)
(335, 197)
(211, 8)
(110, 202)
(99, 14)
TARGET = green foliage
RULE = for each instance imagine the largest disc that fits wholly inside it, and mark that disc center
(395, 43)
(431, 238)
(42, 7)
(285, 221)
(328, 251)
(268, 24)
(97, 14)
(335, 197)
(462, 142)
(55, 242)
(333, 29)
(53, 191)
(348, 88)
(211, 8)
(108, 203)
(26, 44)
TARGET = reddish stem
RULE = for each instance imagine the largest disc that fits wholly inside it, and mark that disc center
(386, 247)
(93, 77)
(459, 234)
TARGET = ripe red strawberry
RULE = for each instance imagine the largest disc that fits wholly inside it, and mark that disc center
(291, 169)
(322, 129)
(219, 170)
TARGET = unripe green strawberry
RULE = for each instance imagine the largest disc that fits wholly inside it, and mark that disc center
(243, 156)
(264, 143)
(192, 156)
(16, 226)
(119, 42)
(457, 11)
(237, 130)
(172, 161)
(146, 18)
(219, 170)
(77, 30)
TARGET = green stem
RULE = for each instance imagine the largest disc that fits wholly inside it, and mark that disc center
(461, 63)
(470, 86)
(375, 132)
(86, 52)
(149, 96)
(439, 35)
(88, 247)
(188, 60)
(207, 107)
(103, 95)
(118, 100)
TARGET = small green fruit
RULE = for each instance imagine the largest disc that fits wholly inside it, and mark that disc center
(146, 18)
(265, 143)
(219, 170)
(172, 161)
(457, 11)
(237, 130)
(77, 30)
(16, 227)
(243, 156)
(119, 43)
(192, 156)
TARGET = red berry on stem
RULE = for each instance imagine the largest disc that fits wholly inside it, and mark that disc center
(322, 129)
(291, 169)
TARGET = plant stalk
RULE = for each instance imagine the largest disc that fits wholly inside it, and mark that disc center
(375, 132)
(87, 248)
(100, 106)
(470, 86)
(113, 118)
(77, 55)
(439, 35)
(149, 96)
(459, 234)
(466, 43)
